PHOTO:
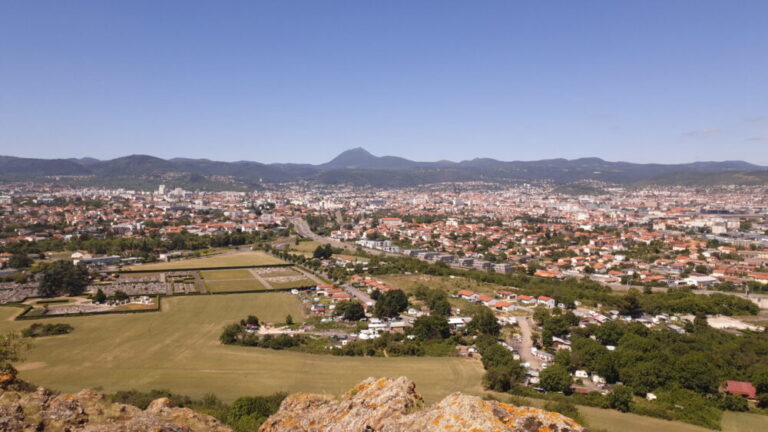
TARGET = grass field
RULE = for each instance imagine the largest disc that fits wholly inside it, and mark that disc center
(280, 271)
(212, 262)
(408, 282)
(212, 275)
(233, 285)
(178, 349)
(292, 284)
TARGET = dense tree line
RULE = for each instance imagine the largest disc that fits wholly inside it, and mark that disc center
(649, 360)
(145, 247)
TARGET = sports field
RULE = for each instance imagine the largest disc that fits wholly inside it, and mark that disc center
(178, 349)
(223, 260)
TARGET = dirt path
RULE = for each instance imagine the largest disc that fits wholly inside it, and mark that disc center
(199, 282)
(314, 278)
(259, 278)
(524, 346)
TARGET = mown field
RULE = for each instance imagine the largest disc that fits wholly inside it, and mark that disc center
(210, 275)
(223, 260)
(178, 349)
(233, 285)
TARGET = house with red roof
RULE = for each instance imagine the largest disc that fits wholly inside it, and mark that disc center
(742, 388)
(548, 302)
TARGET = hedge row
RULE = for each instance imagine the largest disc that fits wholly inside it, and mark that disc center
(191, 269)
(23, 316)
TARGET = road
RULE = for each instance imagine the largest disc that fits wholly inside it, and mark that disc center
(360, 295)
(524, 346)
(302, 228)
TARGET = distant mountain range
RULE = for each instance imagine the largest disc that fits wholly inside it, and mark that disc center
(359, 167)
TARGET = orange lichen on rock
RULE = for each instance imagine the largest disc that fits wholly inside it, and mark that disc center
(387, 405)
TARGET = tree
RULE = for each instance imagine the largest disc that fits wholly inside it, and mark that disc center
(620, 398)
(440, 306)
(62, 277)
(350, 311)
(20, 260)
(431, 327)
(484, 322)
(99, 297)
(289, 320)
(12, 348)
(762, 400)
(230, 333)
(391, 304)
(734, 403)
(251, 320)
(500, 378)
(323, 252)
(556, 379)
(630, 304)
(563, 358)
(121, 296)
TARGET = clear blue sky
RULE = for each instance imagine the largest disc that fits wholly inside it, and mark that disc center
(300, 81)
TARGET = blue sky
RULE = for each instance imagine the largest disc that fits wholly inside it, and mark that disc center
(301, 81)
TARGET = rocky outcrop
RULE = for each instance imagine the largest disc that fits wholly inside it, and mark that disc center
(88, 411)
(374, 405)
(392, 405)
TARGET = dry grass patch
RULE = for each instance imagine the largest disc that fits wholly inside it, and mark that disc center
(237, 259)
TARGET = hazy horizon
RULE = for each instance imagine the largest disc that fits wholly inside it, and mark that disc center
(386, 155)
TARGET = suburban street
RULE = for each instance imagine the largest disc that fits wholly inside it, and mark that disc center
(524, 346)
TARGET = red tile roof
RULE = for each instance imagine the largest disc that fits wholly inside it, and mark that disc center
(741, 388)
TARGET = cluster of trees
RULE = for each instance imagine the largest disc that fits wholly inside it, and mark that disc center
(245, 414)
(62, 278)
(436, 299)
(325, 251)
(502, 371)
(386, 345)
(554, 323)
(100, 297)
(649, 360)
(350, 310)
(236, 334)
(389, 304)
(37, 330)
(146, 247)
(682, 300)
(431, 327)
